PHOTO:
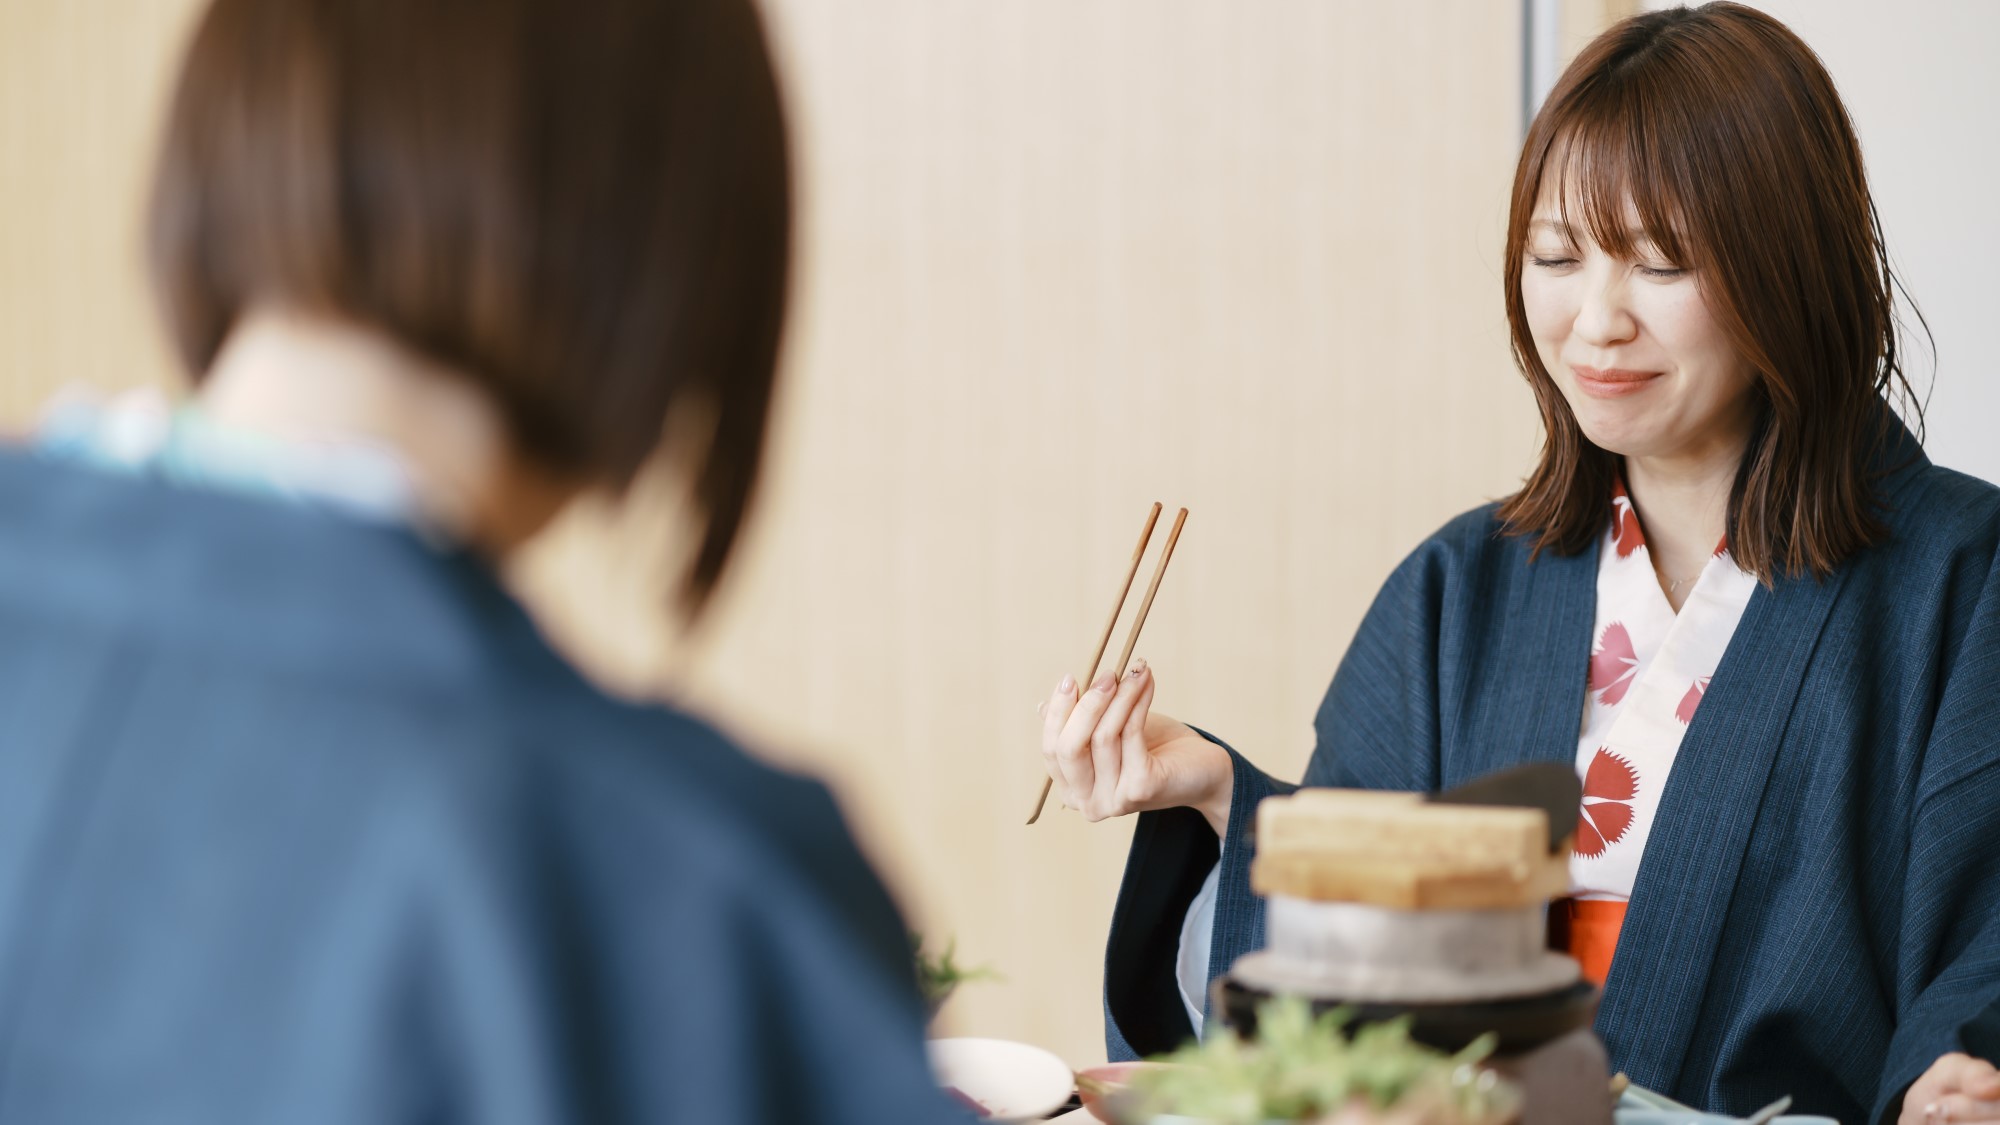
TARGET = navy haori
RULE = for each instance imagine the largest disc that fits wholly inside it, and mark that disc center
(1817, 912)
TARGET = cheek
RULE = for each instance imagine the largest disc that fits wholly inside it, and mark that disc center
(1549, 312)
(1695, 342)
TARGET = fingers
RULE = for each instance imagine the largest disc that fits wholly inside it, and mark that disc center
(1954, 1108)
(1073, 750)
(1956, 1088)
(1137, 777)
(1106, 743)
(1960, 1073)
(1979, 1080)
(1055, 713)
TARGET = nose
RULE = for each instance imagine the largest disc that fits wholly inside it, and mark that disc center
(1605, 316)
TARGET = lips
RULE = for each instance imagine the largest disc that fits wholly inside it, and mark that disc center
(1611, 382)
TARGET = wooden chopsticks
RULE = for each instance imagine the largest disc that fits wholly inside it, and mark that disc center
(1138, 623)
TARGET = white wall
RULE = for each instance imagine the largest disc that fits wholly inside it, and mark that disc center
(1919, 82)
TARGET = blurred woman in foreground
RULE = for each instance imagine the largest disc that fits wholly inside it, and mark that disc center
(300, 818)
(1733, 592)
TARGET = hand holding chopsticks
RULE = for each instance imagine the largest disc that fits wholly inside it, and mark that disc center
(1100, 737)
(1110, 623)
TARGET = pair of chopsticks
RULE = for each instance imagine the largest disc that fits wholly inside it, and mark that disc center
(1138, 623)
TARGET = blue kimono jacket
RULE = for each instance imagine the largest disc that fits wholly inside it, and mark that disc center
(1818, 909)
(301, 821)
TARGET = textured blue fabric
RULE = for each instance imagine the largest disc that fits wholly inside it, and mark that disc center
(301, 821)
(1818, 909)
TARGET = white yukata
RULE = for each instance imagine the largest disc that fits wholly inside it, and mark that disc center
(1649, 668)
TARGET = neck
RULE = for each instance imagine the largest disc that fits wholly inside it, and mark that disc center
(1683, 501)
(312, 379)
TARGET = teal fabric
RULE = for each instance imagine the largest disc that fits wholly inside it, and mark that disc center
(301, 821)
(183, 445)
(1818, 910)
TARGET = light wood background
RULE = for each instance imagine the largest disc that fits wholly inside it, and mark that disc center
(1060, 258)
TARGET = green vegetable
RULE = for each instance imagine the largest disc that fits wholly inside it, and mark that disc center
(1300, 1068)
(937, 977)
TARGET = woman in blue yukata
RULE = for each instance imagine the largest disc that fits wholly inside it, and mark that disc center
(300, 819)
(1732, 591)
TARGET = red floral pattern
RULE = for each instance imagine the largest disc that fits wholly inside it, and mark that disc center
(1625, 519)
(1645, 665)
(1613, 665)
(1628, 533)
(1692, 700)
(1606, 816)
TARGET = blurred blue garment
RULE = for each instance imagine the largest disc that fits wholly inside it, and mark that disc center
(302, 821)
(141, 433)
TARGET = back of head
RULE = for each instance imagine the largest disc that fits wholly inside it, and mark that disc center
(581, 205)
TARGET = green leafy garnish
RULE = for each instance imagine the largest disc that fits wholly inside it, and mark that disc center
(1300, 1067)
(938, 976)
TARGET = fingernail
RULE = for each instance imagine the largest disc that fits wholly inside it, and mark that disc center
(1104, 682)
(1138, 667)
(1041, 707)
(1068, 684)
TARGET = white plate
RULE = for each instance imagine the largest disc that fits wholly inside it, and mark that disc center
(1687, 1117)
(1015, 1082)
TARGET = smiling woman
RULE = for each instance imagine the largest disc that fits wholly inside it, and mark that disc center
(1733, 592)
(1672, 292)
(1669, 394)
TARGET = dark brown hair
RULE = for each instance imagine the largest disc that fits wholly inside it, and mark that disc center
(582, 205)
(1725, 132)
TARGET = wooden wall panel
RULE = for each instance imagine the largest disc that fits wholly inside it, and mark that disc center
(1059, 258)
(1063, 260)
(82, 88)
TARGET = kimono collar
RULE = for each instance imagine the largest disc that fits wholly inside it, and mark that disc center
(1630, 534)
(1687, 881)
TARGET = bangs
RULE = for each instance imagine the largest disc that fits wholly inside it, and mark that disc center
(1714, 137)
(1606, 165)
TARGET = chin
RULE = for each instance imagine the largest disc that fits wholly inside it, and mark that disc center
(1614, 429)
(1615, 440)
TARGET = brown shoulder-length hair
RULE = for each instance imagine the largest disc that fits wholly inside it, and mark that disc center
(582, 205)
(1724, 131)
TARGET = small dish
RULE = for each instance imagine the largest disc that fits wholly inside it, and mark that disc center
(1011, 1082)
(1101, 1082)
(1689, 1117)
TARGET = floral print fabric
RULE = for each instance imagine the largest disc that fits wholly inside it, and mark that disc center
(1649, 669)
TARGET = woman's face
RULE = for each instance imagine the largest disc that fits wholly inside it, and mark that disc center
(1633, 344)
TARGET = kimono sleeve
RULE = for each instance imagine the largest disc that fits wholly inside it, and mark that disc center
(741, 967)
(1377, 728)
(1172, 852)
(1948, 961)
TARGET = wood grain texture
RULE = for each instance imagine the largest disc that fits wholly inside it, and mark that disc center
(1058, 259)
(1061, 260)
